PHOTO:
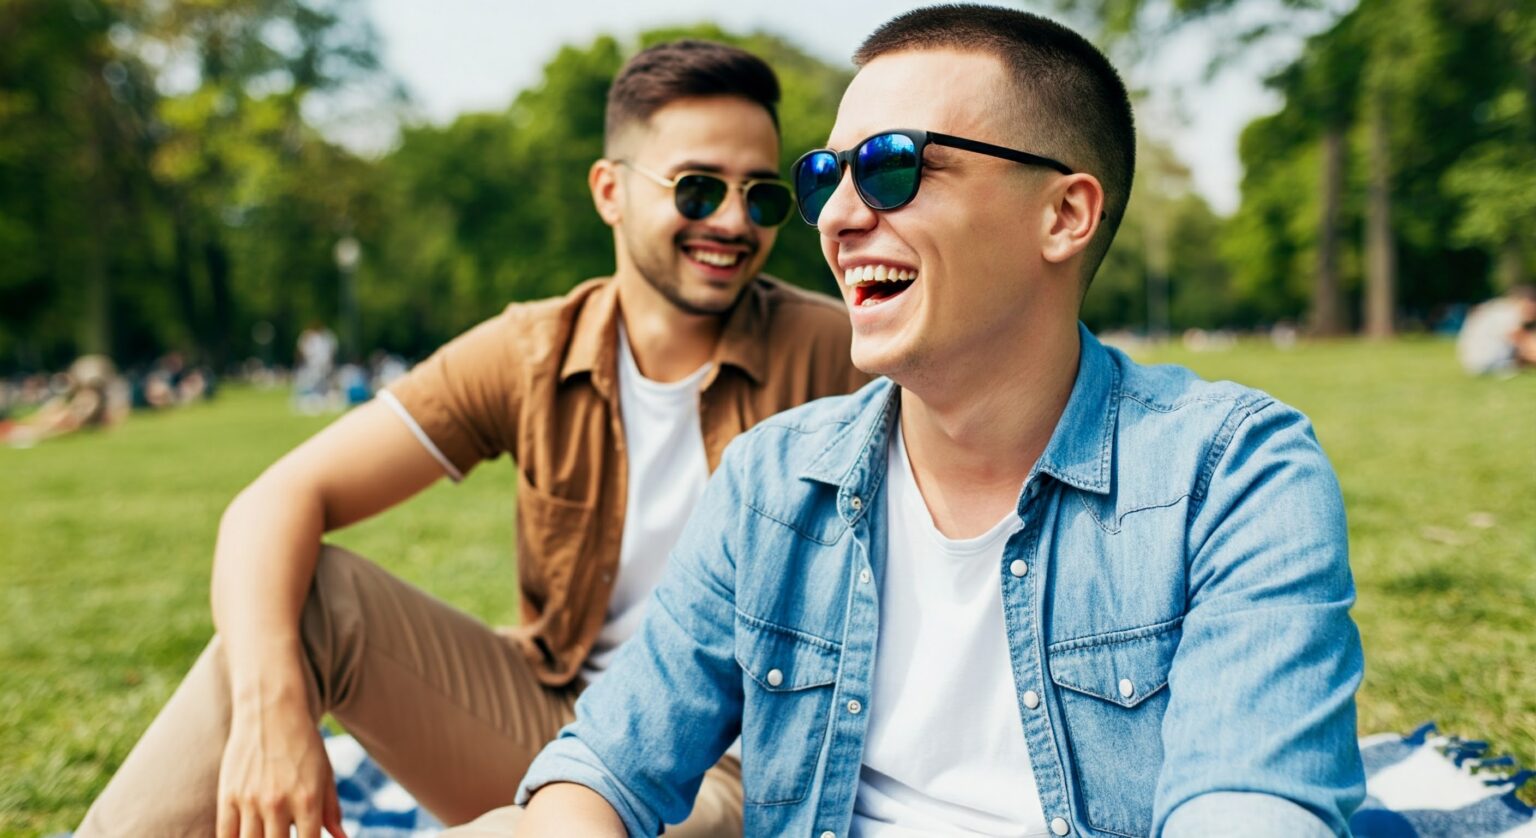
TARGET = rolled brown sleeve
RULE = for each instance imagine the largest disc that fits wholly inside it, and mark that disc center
(463, 400)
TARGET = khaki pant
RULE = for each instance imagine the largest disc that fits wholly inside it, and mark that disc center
(443, 703)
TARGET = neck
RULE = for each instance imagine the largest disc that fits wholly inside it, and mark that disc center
(974, 437)
(668, 343)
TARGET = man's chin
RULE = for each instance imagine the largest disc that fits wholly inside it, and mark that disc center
(708, 301)
(873, 357)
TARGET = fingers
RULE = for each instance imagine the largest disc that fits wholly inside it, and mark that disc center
(331, 813)
(250, 825)
(227, 822)
(307, 813)
(276, 823)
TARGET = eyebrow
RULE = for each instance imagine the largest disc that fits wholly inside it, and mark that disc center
(711, 168)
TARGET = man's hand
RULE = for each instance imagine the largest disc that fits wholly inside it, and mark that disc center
(275, 774)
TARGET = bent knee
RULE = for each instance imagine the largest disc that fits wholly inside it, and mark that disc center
(333, 607)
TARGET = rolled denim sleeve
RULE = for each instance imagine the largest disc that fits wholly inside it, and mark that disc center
(670, 702)
(1262, 688)
(1246, 814)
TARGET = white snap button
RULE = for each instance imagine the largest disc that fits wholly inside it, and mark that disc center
(864, 576)
(829, 834)
(856, 503)
(1018, 567)
(854, 706)
(1059, 826)
(1127, 689)
(775, 677)
(1031, 699)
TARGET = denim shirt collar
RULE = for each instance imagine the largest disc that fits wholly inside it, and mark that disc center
(1078, 453)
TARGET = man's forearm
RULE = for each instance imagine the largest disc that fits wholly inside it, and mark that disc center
(561, 809)
(264, 563)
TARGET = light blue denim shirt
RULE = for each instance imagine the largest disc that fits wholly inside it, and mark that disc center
(1177, 608)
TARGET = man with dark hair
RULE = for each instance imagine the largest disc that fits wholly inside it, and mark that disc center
(615, 402)
(1021, 585)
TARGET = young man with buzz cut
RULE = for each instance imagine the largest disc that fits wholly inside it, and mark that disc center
(614, 401)
(1020, 585)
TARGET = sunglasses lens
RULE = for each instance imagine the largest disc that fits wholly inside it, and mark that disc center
(885, 170)
(816, 177)
(768, 204)
(698, 196)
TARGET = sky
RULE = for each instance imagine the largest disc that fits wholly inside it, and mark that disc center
(460, 56)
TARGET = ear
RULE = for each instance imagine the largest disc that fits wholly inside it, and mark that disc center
(1073, 217)
(607, 192)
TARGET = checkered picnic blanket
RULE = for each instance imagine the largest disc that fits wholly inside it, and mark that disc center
(1423, 785)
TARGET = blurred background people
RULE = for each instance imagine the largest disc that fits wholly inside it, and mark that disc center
(312, 376)
(91, 396)
(1499, 336)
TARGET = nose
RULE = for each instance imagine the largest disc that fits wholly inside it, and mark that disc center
(845, 213)
(732, 219)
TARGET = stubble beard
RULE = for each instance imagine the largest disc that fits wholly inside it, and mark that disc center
(656, 276)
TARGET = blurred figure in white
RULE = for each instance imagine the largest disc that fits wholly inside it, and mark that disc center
(1499, 336)
(312, 379)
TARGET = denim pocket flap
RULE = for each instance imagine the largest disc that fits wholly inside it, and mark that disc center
(781, 659)
(1125, 668)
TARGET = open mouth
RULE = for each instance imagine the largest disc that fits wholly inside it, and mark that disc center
(876, 284)
(712, 257)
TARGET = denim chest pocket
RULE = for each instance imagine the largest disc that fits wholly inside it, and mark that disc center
(787, 679)
(1113, 693)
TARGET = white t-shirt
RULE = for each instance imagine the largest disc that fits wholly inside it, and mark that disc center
(945, 752)
(664, 446)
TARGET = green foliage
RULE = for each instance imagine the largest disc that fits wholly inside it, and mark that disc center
(1460, 152)
(161, 186)
(1165, 256)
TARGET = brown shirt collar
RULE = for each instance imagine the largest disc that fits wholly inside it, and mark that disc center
(594, 338)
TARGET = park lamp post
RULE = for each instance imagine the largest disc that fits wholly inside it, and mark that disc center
(348, 253)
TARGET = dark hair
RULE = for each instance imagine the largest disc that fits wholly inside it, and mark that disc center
(662, 74)
(1077, 107)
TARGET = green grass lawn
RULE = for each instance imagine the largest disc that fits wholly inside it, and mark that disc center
(105, 543)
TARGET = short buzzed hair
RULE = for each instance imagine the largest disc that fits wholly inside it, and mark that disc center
(1067, 87)
(662, 74)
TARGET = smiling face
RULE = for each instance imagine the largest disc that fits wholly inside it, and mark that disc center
(699, 266)
(958, 272)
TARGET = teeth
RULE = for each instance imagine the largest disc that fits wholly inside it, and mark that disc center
(877, 273)
(715, 257)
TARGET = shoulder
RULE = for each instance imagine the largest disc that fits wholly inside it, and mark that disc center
(793, 441)
(1166, 396)
(551, 309)
(1172, 422)
(801, 310)
(533, 331)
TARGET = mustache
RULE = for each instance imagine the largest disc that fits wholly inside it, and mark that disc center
(748, 242)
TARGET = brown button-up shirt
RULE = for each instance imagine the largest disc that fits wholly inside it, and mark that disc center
(540, 382)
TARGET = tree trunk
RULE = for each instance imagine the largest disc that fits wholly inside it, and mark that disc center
(1381, 258)
(95, 335)
(1511, 270)
(1327, 292)
(216, 261)
(96, 324)
(181, 270)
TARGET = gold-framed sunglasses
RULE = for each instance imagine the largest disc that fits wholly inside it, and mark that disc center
(698, 195)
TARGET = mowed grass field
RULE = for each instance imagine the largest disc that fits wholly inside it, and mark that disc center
(106, 540)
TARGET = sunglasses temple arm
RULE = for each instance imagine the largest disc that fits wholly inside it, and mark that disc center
(999, 151)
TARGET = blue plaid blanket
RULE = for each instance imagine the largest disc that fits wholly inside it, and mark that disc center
(1423, 785)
